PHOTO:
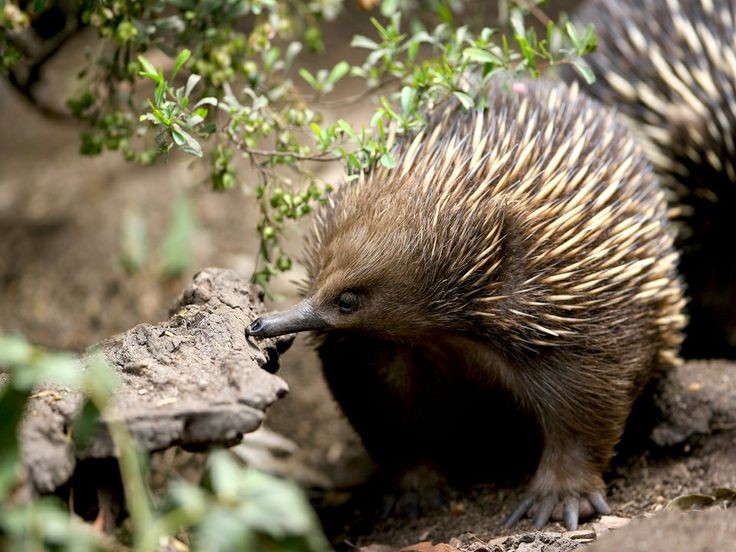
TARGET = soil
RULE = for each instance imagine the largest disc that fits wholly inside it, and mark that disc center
(62, 286)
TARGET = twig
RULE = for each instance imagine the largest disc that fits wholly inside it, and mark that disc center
(25, 89)
(538, 13)
(355, 98)
(322, 157)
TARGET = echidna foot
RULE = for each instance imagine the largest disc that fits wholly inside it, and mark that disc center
(412, 503)
(420, 490)
(570, 508)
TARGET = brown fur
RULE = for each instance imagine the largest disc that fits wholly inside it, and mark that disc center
(517, 256)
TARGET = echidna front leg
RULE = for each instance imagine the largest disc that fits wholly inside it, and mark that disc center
(564, 486)
(581, 425)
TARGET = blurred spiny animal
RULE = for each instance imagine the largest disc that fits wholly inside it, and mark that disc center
(522, 251)
(669, 68)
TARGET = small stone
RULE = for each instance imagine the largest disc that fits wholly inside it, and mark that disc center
(581, 534)
(457, 508)
(614, 522)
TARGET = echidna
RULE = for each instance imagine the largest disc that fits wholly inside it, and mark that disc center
(669, 67)
(524, 248)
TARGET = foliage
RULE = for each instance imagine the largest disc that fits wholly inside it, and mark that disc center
(237, 508)
(175, 251)
(224, 85)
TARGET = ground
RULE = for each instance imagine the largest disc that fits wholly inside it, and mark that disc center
(62, 286)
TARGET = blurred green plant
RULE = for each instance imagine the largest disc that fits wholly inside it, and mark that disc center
(176, 249)
(235, 509)
(224, 84)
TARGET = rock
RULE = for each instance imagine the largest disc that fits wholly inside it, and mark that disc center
(194, 381)
(697, 398)
(705, 531)
(538, 542)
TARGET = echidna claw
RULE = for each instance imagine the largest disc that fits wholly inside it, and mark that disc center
(519, 513)
(541, 508)
(389, 502)
(571, 512)
(598, 501)
(407, 505)
(541, 517)
(411, 504)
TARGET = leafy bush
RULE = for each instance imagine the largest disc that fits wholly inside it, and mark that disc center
(226, 85)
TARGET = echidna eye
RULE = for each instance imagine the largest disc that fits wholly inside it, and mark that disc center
(348, 302)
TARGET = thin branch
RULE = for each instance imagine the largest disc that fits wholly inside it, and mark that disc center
(25, 89)
(355, 98)
(536, 11)
(322, 157)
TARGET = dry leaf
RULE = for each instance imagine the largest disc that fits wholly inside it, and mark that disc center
(367, 5)
(690, 502)
(614, 522)
(580, 534)
(726, 494)
(427, 546)
(377, 548)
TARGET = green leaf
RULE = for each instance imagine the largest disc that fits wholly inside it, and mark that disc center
(185, 141)
(49, 368)
(360, 41)
(389, 7)
(347, 129)
(585, 71)
(311, 81)
(388, 161)
(13, 351)
(291, 52)
(479, 55)
(133, 241)
(516, 19)
(338, 72)
(413, 50)
(47, 523)
(223, 475)
(209, 100)
(101, 381)
(466, 101)
(148, 69)
(160, 92)
(317, 132)
(270, 57)
(85, 424)
(12, 404)
(252, 507)
(188, 497)
(444, 13)
(177, 247)
(408, 99)
(181, 59)
(191, 83)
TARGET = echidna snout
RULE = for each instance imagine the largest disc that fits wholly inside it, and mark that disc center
(301, 317)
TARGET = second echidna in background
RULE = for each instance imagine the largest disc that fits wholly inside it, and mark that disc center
(669, 68)
(518, 256)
